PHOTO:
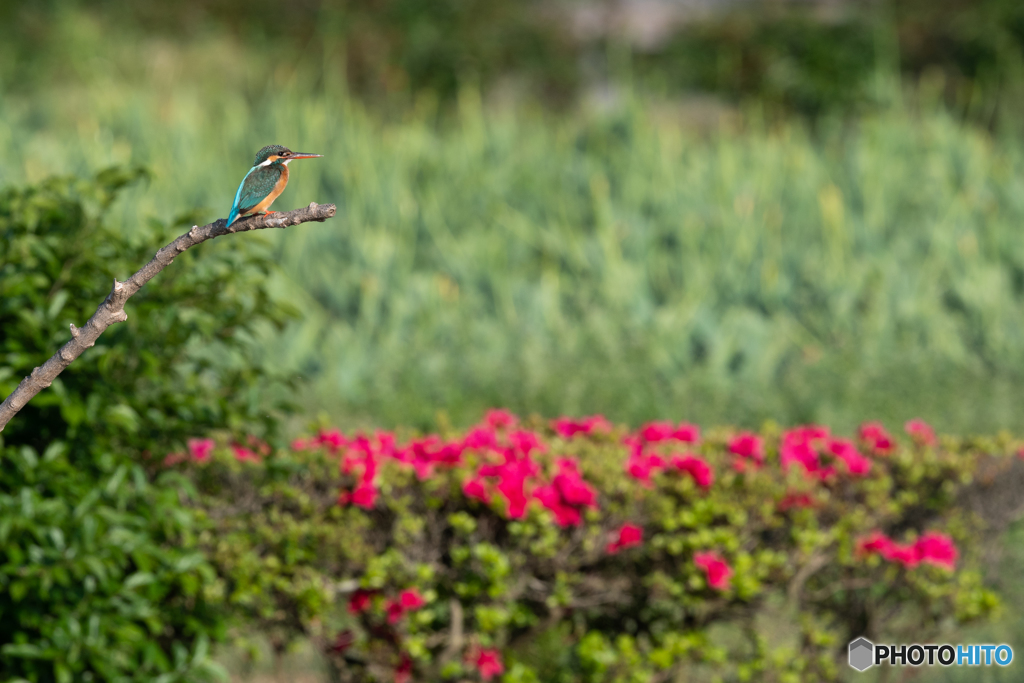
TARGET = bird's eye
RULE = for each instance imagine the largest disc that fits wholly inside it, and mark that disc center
(286, 154)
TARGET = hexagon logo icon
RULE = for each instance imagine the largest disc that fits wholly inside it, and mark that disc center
(862, 653)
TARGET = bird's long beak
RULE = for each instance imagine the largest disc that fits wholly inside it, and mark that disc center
(303, 155)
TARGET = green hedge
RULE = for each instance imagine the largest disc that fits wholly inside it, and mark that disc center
(578, 550)
(100, 576)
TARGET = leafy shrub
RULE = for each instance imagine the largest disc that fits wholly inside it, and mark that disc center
(100, 576)
(579, 549)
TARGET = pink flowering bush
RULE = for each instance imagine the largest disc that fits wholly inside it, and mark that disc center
(576, 546)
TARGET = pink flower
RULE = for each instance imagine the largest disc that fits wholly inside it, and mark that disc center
(876, 542)
(301, 444)
(567, 494)
(489, 664)
(480, 439)
(653, 432)
(697, 468)
(408, 600)
(476, 487)
(807, 433)
(718, 572)
(570, 484)
(748, 445)
(423, 454)
(938, 549)
(629, 536)
(874, 434)
(394, 611)
(365, 495)
(933, 547)
(567, 427)
(921, 432)
(642, 467)
(200, 449)
(524, 443)
(565, 515)
(411, 599)
(856, 464)
(403, 672)
(332, 439)
(800, 452)
(360, 601)
(243, 454)
(904, 554)
(513, 487)
(500, 419)
(687, 433)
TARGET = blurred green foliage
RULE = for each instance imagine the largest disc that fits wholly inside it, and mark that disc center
(808, 58)
(618, 264)
(557, 603)
(614, 261)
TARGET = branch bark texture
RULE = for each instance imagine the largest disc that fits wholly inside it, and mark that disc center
(112, 309)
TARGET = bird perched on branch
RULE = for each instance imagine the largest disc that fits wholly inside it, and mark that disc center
(264, 182)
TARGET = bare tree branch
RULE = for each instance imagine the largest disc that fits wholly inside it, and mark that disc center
(112, 309)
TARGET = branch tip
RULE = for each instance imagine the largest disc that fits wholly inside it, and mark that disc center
(75, 331)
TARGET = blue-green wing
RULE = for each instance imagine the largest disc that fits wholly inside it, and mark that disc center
(255, 186)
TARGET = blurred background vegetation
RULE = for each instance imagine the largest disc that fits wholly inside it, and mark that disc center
(723, 211)
(730, 212)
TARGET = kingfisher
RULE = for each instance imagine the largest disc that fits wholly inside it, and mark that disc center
(265, 181)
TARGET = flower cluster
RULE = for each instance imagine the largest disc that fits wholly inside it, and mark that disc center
(805, 446)
(921, 432)
(567, 427)
(644, 460)
(932, 548)
(710, 521)
(749, 447)
(487, 662)
(395, 608)
(508, 469)
(877, 439)
(657, 432)
(200, 450)
(567, 494)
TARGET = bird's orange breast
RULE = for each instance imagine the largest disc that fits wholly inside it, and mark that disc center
(274, 194)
